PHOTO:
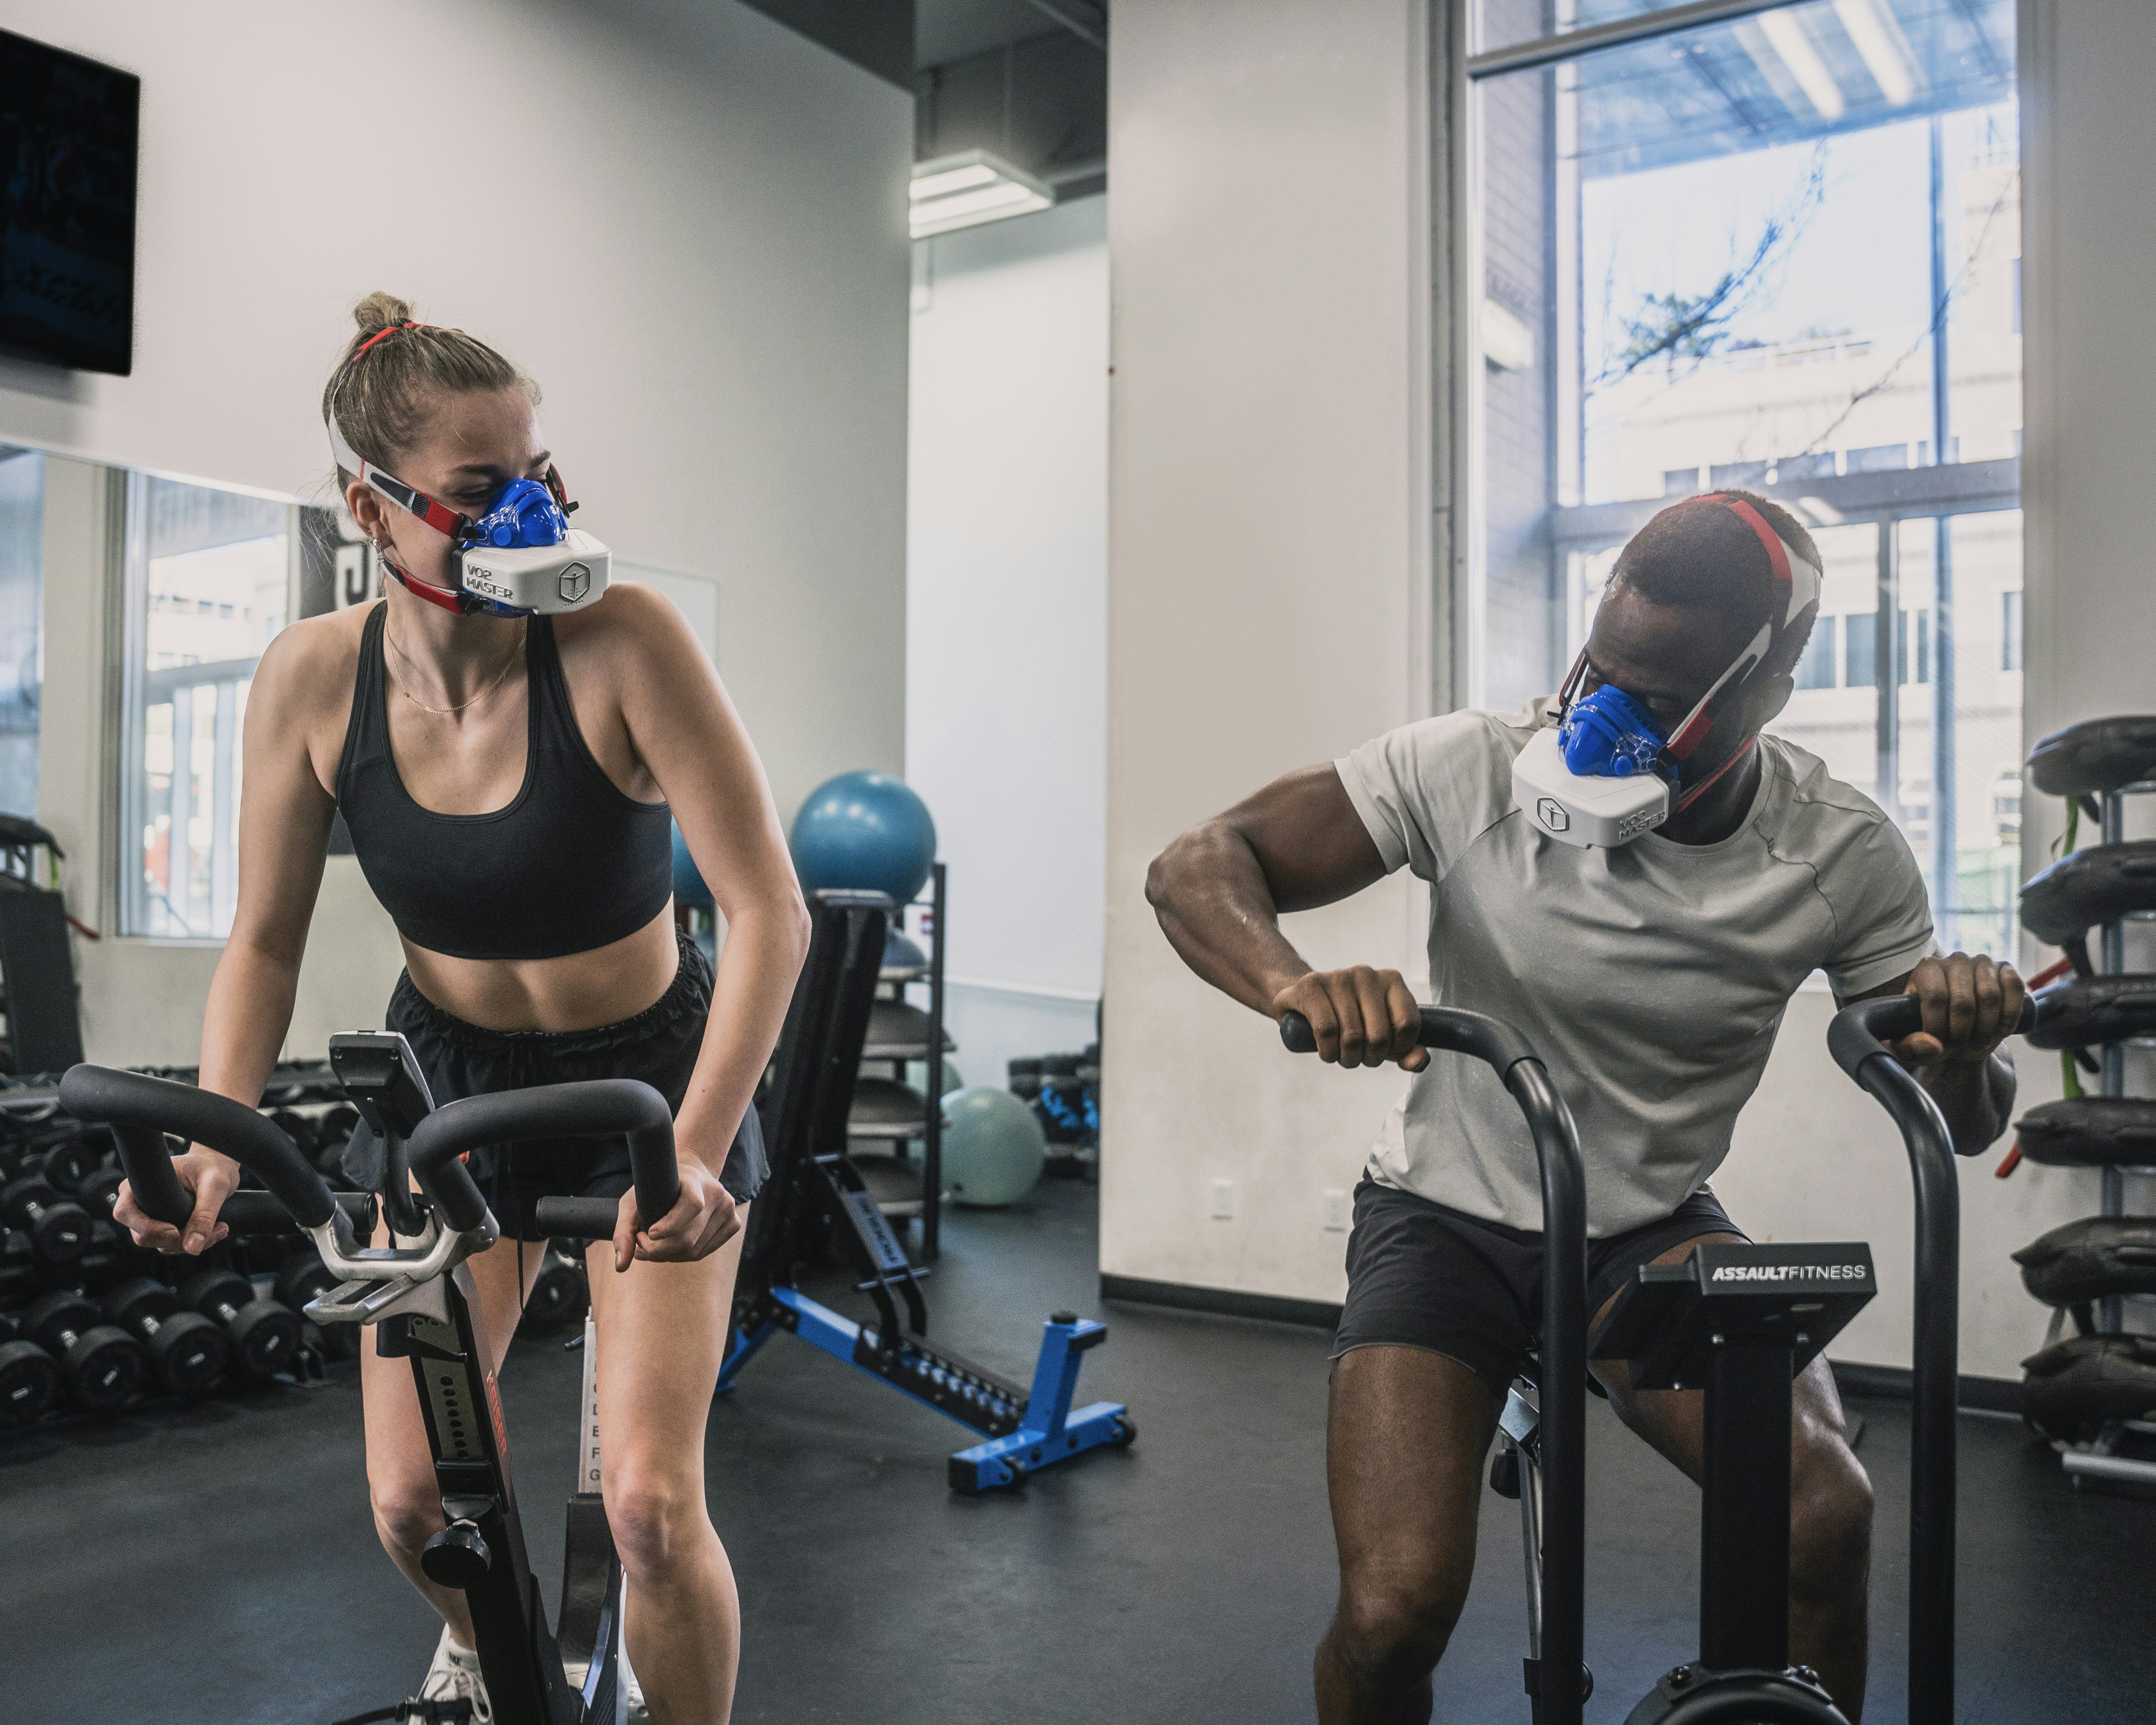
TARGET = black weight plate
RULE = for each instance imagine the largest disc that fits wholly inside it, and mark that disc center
(2097, 755)
(2074, 1386)
(2096, 885)
(2091, 1259)
(2094, 1009)
(2091, 1131)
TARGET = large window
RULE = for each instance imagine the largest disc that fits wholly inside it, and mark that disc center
(1778, 251)
(22, 638)
(208, 573)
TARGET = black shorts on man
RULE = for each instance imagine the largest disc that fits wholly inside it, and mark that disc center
(1422, 1275)
(659, 1045)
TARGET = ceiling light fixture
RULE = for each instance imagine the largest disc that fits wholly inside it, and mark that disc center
(1787, 37)
(970, 188)
(1883, 57)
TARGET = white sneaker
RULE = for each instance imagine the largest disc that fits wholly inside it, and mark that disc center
(633, 1711)
(454, 1677)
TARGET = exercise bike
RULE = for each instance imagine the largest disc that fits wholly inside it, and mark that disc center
(1739, 1320)
(422, 1300)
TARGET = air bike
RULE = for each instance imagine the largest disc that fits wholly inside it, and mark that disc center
(424, 1305)
(1739, 1320)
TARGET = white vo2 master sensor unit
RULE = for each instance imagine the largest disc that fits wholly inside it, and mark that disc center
(1576, 809)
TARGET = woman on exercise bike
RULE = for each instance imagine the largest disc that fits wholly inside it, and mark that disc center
(506, 738)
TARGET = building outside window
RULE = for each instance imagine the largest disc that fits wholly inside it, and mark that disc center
(21, 632)
(207, 577)
(1778, 251)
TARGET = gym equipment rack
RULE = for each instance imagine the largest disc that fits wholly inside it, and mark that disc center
(2082, 763)
(890, 1108)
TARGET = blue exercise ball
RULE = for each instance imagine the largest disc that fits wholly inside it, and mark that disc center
(689, 888)
(993, 1146)
(865, 831)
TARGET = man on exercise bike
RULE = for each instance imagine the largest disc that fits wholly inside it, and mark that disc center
(1651, 970)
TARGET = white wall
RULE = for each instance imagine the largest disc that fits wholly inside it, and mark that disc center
(1268, 572)
(1006, 672)
(718, 321)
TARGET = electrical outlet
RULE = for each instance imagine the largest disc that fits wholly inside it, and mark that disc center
(1224, 1201)
(1336, 1210)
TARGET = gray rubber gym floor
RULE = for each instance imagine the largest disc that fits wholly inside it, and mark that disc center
(218, 1567)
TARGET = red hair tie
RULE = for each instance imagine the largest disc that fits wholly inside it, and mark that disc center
(390, 329)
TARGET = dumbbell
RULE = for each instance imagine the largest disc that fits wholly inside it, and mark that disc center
(100, 1367)
(100, 1191)
(265, 1333)
(112, 1259)
(559, 1294)
(302, 1277)
(77, 1157)
(188, 1352)
(59, 1230)
(332, 1135)
(28, 1379)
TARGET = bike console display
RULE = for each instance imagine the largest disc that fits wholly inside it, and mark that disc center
(1669, 1322)
(381, 1075)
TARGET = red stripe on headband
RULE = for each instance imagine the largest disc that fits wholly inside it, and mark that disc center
(1778, 554)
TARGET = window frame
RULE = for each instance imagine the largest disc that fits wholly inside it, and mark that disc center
(137, 683)
(1887, 498)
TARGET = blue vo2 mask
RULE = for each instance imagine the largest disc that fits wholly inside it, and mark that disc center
(521, 557)
(1605, 773)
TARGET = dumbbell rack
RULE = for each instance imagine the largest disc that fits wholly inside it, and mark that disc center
(305, 1085)
(906, 1115)
(2097, 1459)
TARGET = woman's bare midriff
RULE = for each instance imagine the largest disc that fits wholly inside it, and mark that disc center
(580, 991)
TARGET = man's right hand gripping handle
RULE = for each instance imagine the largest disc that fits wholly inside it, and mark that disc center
(1359, 1016)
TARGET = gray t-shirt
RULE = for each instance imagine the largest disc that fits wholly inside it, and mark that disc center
(1651, 978)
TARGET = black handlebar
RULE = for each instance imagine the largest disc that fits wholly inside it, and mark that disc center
(578, 1218)
(1561, 1375)
(1468, 1033)
(141, 1110)
(1863, 1028)
(1857, 1039)
(596, 1108)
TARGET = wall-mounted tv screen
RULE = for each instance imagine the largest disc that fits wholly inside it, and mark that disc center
(67, 129)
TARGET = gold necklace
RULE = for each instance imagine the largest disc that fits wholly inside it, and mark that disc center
(443, 712)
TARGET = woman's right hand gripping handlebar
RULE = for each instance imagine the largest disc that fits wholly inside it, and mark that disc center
(209, 1178)
(1360, 1016)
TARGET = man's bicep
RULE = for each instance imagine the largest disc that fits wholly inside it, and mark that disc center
(1309, 839)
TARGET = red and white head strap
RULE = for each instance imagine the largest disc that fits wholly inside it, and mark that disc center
(442, 519)
(1795, 603)
(1796, 598)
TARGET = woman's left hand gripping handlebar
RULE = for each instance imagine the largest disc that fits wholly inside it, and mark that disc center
(703, 1220)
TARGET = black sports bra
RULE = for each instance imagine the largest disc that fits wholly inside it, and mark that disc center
(570, 864)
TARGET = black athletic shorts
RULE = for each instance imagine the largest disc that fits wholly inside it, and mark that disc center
(1421, 1276)
(659, 1045)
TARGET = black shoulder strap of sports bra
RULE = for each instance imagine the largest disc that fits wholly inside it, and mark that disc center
(363, 730)
(547, 688)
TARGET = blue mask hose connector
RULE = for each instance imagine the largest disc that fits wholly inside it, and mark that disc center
(523, 513)
(1608, 735)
